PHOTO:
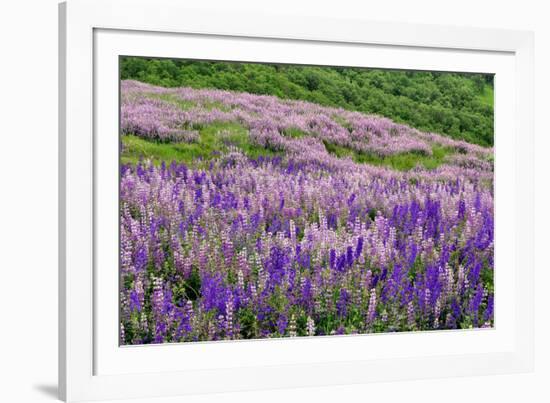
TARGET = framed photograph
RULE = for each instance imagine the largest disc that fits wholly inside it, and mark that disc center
(263, 202)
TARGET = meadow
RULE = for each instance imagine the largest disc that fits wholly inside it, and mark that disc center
(245, 216)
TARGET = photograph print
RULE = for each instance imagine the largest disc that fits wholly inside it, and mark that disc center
(275, 201)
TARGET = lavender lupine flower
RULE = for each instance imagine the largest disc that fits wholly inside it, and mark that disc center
(411, 320)
(229, 326)
(292, 327)
(437, 313)
(122, 334)
(371, 313)
(158, 310)
(310, 326)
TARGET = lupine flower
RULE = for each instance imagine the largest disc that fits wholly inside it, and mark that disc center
(359, 247)
(292, 327)
(229, 317)
(371, 313)
(411, 320)
(310, 326)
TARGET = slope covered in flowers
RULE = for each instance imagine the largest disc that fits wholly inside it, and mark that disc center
(457, 104)
(281, 218)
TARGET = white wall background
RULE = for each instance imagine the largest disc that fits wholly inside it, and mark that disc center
(28, 199)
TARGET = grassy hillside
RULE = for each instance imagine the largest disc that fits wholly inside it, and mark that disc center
(198, 126)
(209, 145)
(457, 105)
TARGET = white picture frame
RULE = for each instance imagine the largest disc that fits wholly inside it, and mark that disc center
(93, 33)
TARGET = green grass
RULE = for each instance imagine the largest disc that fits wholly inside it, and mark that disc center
(294, 133)
(341, 121)
(210, 141)
(488, 96)
(171, 98)
(186, 105)
(400, 162)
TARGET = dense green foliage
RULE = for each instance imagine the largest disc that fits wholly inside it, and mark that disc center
(457, 105)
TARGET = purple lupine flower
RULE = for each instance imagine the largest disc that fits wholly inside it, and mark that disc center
(359, 247)
(475, 303)
(135, 303)
(332, 259)
(488, 315)
(282, 323)
(343, 301)
(349, 256)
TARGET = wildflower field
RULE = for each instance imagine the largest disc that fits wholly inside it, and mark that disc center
(249, 216)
